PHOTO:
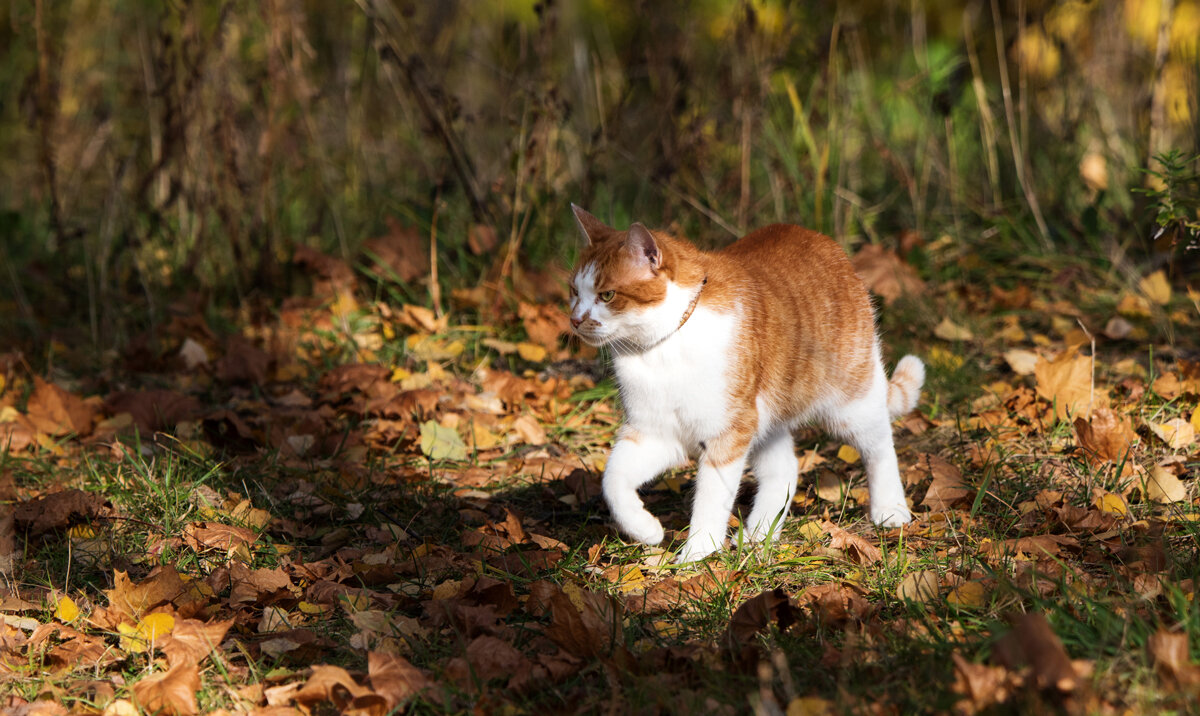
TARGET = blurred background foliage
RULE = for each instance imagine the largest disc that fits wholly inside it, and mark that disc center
(156, 149)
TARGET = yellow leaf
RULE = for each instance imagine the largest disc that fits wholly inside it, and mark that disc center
(441, 443)
(1176, 433)
(387, 331)
(920, 587)
(1156, 287)
(1133, 305)
(1196, 419)
(155, 626)
(941, 358)
(531, 352)
(131, 641)
(810, 706)
(1111, 503)
(968, 595)
(848, 454)
(120, 707)
(811, 531)
(1162, 486)
(665, 628)
(9, 414)
(948, 330)
(399, 374)
(66, 610)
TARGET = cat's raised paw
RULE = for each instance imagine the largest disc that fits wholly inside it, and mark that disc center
(891, 515)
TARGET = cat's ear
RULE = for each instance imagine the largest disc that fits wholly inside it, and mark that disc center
(592, 228)
(642, 245)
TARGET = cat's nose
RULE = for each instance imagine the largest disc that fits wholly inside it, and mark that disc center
(575, 322)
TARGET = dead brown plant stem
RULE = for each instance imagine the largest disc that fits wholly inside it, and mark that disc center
(435, 288)
(744, 197)
(1158, 99)
(987, 123)
(1020, 158)
(47, 115)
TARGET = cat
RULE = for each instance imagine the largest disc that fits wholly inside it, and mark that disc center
(720, 355)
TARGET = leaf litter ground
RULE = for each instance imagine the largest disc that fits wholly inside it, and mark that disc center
(358, 507)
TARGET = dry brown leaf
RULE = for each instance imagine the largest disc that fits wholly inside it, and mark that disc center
(243, 362)
(172, 692)
(193, 640)
(586, 624)
(857, 549)
(54, 411)
(330, 684)
(1170, 653)
(544, 324)
(755, 615)
(1107, 437)
(1032, 642)
(394, 678)
(59, 509)
(200, 536)
(886, 274)
(403, 253)
(1066, 383)
(154, 410)
(488, 658)
(161, 586)
(982, 685)
(946, 488)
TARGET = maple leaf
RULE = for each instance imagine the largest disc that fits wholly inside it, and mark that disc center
(193, 640)
(857, 549)
(885, 273)
(1107, 437)
(394, 678)
(172, 692)
(54, 411)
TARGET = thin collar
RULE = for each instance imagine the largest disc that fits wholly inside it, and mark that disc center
(692, 306)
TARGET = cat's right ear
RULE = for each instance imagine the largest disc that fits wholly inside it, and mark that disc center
(592, 228)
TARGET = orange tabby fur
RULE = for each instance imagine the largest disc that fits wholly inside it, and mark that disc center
(803, 347)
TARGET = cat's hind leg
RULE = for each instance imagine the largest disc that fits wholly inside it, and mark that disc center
(775, 467)
(637, 459)
(865, 423)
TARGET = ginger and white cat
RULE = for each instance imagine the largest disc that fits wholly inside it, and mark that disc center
(720, 355)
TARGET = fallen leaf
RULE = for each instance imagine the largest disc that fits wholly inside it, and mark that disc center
(531, 352)
(857, 549)
(755, 615)
(947, 487)
(544, 324)
(1161, 485)
(885, 273)
(329, 684)
(529, 430)
(394, 678)
(948, 330)
(968, 595)
(1171, 656)
(54, 411)
(1066, 383)
(848, 454)
(1021, 361)
(1032, 642)
(1177, 433)
(441, 443)
(66, 610)
(172, 692)
(1156, 287)
(1107, 437)
(981, 684)
(920, 587)
(193, 640)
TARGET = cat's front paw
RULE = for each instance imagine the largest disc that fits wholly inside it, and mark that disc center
(644, 528)
(895, 515)
(695, 550)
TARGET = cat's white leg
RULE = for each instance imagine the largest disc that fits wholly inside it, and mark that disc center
(712, 503)
(865, 424)
(635, 460)
(775, 467)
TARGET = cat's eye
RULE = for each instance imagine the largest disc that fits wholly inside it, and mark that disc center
(607, 296)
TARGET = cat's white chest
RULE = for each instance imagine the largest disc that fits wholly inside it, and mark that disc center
(679, 390)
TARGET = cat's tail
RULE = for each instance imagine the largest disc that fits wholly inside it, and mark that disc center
(904, 389)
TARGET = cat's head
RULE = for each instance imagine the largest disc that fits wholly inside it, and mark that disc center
(623, 290)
